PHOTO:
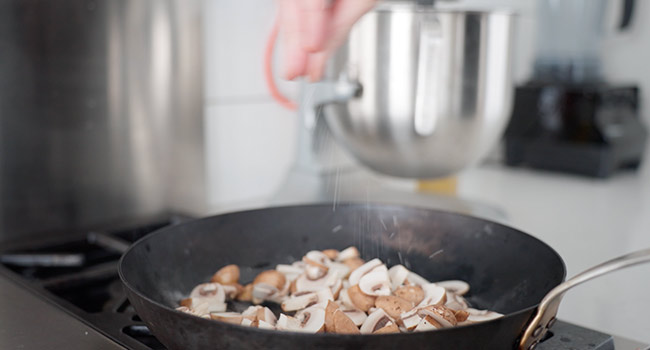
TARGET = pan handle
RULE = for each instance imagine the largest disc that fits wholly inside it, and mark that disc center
(547, 310)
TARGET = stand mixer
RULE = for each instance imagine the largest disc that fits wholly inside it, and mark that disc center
(414, 93)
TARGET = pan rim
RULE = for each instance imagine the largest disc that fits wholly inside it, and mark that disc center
(316, 205)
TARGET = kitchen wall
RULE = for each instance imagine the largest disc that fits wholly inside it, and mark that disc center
(250, 138)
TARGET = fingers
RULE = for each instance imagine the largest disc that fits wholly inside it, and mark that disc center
(295, 57)
(314, 16)
(344, 15)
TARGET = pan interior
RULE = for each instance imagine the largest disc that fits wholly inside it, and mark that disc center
(507, 270)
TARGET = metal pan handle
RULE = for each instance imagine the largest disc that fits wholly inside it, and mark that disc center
(547, 310)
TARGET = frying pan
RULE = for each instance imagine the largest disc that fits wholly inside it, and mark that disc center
(509, 272)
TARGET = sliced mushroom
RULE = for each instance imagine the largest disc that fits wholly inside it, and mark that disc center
(392, 305)
(329, 316)
(348, 253)
(265, 314)
(204, 305)
(375, 321)
(390, 327)
(264, 325)
(353, 263)
(287, 323)
(398, 275)
(246, 294)
(356, 275)
(246, 322)
(427, 324)
(291, 272)
(455, 302)
(376, 282)
(357, 316)
(315, 271)
(336, 288)
(433, 295)
(461, 315)
(359, 299)
(306, 284)
(410, 319)
(416, 279)
(232, 290)
(482, 315)
(444, 316)
(212, 290)
(312, 320)
(344, 299)
(262, 292)
(343, 324)
(341, 270)
(272, 278)
(455, 286)
(317, 256)
(228, 317)
(414, 294)
(332, 254)
(306, 299)
(226, 275)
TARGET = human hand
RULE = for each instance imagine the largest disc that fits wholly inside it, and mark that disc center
(312, 30)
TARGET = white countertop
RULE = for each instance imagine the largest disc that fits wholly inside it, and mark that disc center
(587, 221)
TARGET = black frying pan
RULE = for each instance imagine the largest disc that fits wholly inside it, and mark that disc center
(508, 271)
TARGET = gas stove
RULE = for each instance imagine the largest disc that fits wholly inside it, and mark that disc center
(68, 288)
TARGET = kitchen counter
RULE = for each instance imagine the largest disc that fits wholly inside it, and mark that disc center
(587, 221)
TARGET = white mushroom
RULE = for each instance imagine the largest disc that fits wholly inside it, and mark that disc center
(263, 291)
(375, 321)
(482, 315)
(410, 319)
(213, 290)
(357, 316)
(455, 286)
(416, 279)
(341, 270)
(427, 324)
(444, 316)
(228, 317)
(306, 284)
(392, 305)
(264, 325)
(246, 322)
(318, 257)
(356, 275)
(375, 282)
(414, 294)
(348, 253)
(287, 323)
(344, 299)
(456, 302)
(291, 272)
(433, 295)
(312, 320)
(398, 275)
(306, 299)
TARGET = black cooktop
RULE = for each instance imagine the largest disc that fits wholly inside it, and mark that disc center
(78, 272)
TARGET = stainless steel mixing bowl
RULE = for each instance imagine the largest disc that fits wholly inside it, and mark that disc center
(417, 92)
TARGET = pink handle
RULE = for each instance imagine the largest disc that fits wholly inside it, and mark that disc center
(268, 68)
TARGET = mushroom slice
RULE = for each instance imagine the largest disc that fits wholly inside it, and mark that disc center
(315, 271)
(398, 275)
(263, 291)
(482, 315)
(416, 279)
(455, 286)
(375, 321)
(390, 327)
(209, 290)
(461, 315)
(272, 278)
(336, 288)
(392, 305)
(455, 302)
(376, 282)
(359, 299)
(332, 254)
(356, 275)
(226, 275)
(251, 312)
(344, 299)
(329, 316)
(339, 269)
(246, 294)
(232, 290)
(228, 317)
(343, 324)
(287, 323)
(348, 253)
(353, 263)
(414, 294)
(264, 325)
(306, 284)
(444, 316)
(410, 319)
(427, 324)
(316, 256)
(246, 322)
(357, 316)
(291, 272)
(265, 314)
(306, 299)
(312, 320)
(433, 295)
